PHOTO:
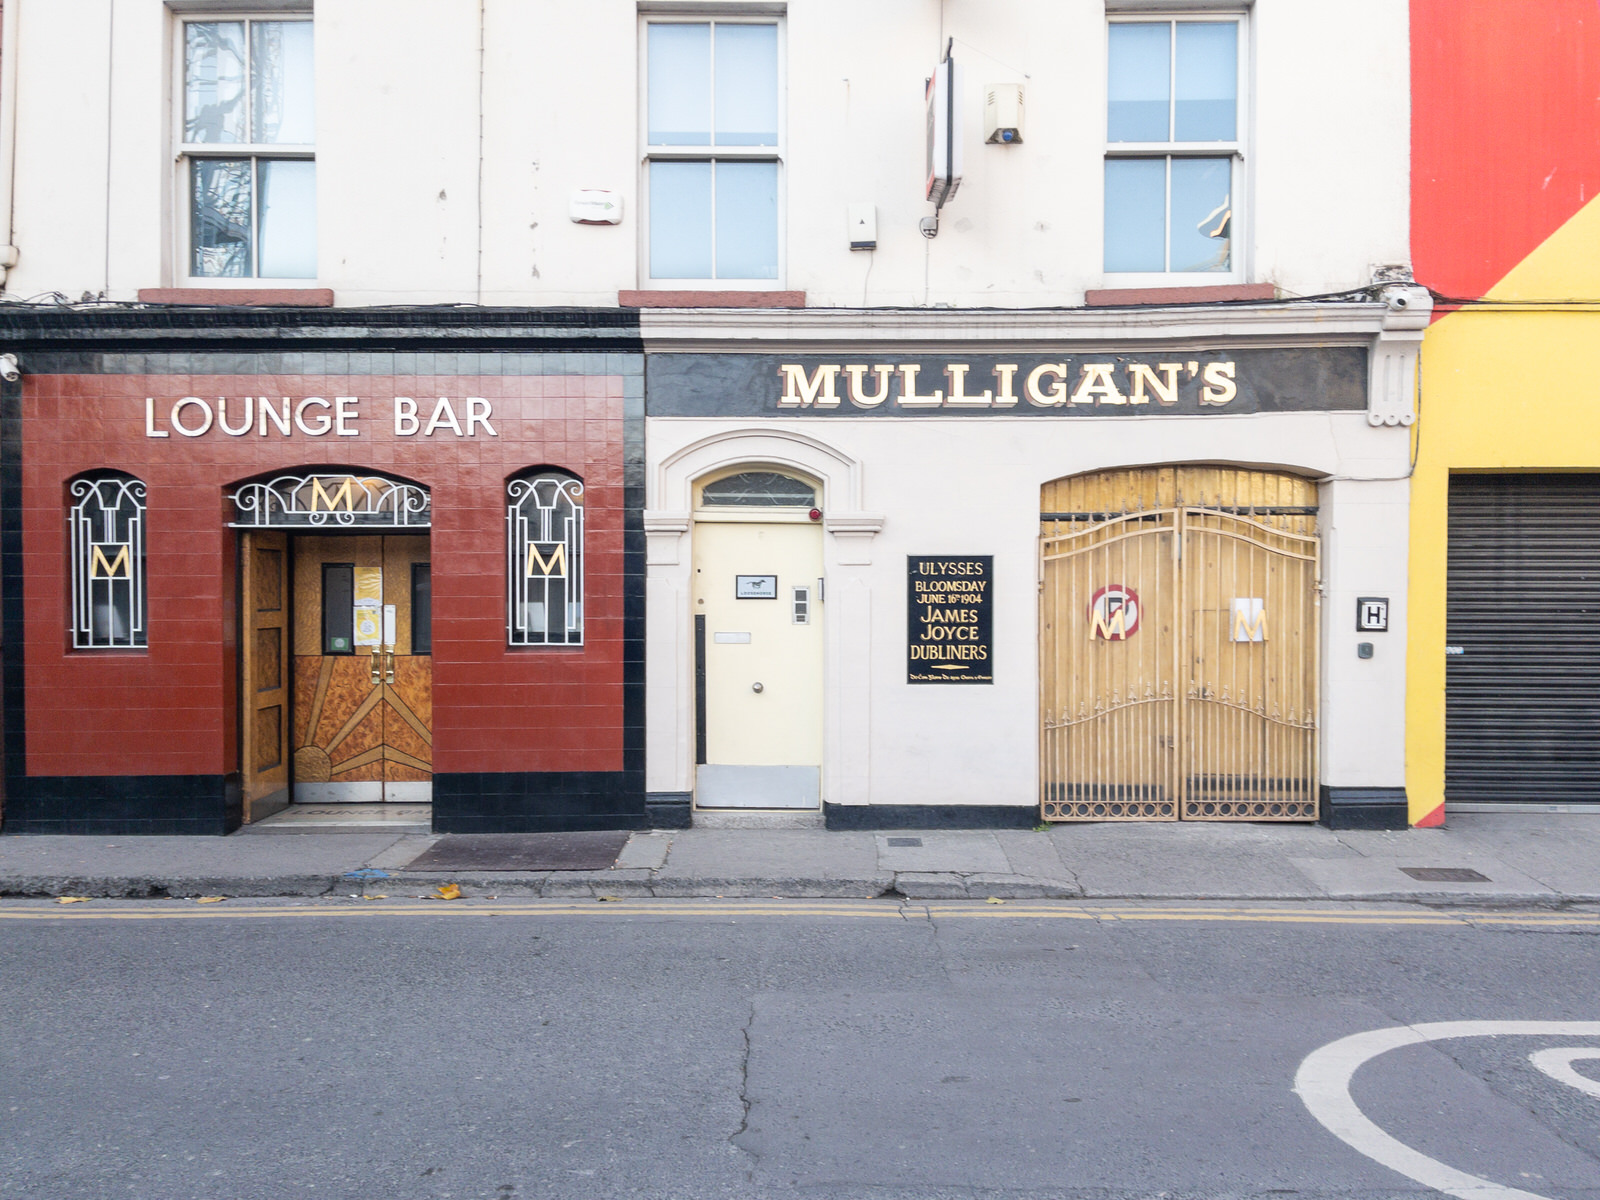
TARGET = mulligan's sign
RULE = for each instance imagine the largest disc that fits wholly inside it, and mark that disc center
(950, 618)
(1182, 381)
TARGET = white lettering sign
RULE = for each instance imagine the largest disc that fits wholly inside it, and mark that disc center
(312, 416)
(1125, 385)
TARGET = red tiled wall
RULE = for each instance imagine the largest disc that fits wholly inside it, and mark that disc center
(172, 709)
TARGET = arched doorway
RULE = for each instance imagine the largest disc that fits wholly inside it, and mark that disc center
(336, 678)
(1178, 639)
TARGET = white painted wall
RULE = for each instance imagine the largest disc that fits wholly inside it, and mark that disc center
(971, 486)
(401, 218)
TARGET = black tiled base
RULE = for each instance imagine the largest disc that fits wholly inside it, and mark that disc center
(1365, 808)
(537, 802)
(123, 804)
(930, 816)
(670, 810)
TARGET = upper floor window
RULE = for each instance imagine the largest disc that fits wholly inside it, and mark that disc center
(1173, 145)
(105, 545)
(713, 151)
(544, 559)
(248, 148)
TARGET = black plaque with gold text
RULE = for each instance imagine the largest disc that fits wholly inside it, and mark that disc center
(950, 618)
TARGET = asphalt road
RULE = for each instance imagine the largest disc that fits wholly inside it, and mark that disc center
(797, 1049)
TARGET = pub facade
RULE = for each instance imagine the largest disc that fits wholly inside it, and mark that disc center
(978, 569)
(260, 557)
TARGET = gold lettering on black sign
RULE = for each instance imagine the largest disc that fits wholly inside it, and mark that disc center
(949, 619)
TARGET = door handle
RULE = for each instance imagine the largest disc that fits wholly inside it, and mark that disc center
(377, 666)
(388, 673)
(756, 687)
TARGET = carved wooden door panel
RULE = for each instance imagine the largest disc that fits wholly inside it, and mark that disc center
(264, 690)
(363, 694)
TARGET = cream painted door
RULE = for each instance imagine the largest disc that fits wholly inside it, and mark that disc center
(759, 636)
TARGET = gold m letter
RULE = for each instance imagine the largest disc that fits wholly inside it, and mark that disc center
(556, 565)
(801, 392)
(99, 568)
(1115, 630)
(1246, 629)
(344, 495)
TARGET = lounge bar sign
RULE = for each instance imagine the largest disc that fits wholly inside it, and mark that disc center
(950, 618)
(1102, 383)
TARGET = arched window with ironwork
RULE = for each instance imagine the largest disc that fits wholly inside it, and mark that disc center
(544, 559)
(106, 542)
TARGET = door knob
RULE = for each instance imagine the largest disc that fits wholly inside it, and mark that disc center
(756, 687)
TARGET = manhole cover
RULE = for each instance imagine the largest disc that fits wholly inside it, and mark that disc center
(1446, 874)
(905, 841)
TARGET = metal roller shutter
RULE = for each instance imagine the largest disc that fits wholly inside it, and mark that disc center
(1522, 690)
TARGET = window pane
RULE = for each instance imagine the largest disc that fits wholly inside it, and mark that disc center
(747, 85)
(422, 608)
(747, 220)
(213, 81)
(1139, 81)
(1208, 81)
(281, 77)
(680, 220)
(758, 489)
(680, 85)
(219, 217)
(1136, 203)
(288, 219)
(1202, 215)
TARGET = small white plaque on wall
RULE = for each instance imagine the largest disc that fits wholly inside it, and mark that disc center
(593, 206)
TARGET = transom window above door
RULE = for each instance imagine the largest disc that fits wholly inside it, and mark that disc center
(713, 150)
(247, 147)
(1174, 146)
(758, 489)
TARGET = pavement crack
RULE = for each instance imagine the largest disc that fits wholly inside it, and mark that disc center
(744, 1097)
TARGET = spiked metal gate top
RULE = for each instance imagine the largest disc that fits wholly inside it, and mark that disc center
(1178, 633)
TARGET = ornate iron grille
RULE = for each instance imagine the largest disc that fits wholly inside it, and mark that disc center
(332, 500)
(1179, 613)
(105, 528)
(544, 560)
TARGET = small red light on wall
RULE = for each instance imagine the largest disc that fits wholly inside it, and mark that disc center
(815, 514)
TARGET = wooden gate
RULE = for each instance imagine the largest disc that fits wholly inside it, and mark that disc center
(1178, 633)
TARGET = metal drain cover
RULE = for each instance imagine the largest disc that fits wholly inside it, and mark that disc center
(904, 841)
(1446, 874)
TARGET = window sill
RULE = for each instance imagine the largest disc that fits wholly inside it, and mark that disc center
(240, 297)
(1200, 294)
(698, 299)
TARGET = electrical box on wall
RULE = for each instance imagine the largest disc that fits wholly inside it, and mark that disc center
(591, 206)
(1002, 113)
(863, 222)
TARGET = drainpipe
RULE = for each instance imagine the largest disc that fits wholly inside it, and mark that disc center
(9, 21)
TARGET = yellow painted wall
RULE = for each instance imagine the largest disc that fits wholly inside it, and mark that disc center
(1501, 390)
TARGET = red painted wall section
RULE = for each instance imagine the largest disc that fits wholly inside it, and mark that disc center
(172, 708)
(1505, 129)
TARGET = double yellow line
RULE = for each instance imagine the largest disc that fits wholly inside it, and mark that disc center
(158, 910)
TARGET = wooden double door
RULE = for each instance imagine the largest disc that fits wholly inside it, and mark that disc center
(338, 669)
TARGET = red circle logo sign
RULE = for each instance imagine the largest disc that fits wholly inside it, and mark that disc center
(1114, 613)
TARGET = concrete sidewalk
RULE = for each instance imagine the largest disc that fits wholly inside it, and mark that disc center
(1534, 858)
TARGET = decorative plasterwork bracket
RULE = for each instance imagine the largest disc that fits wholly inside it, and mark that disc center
(663, 534)
(1392, 383)
(853, 534)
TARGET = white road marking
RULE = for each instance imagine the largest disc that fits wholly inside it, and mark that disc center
(1323, 1085)
(1558, 1065)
